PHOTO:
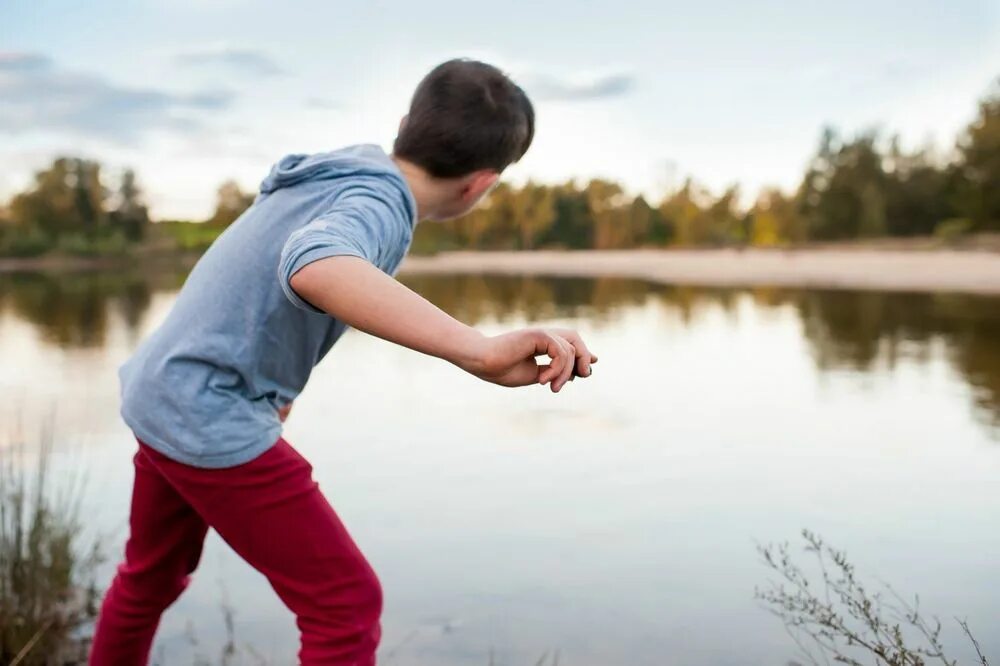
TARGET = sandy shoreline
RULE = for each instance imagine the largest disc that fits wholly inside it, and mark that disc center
(882, 270)
(848, 268)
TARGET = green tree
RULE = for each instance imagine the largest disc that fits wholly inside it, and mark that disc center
(843, 194)
(606, 204)
(918, 192)
(643, 221)
(66, 197)
(130, 214)
(681, 213)
(499, 224)
(231, 201)
(721, 223)
(573, 226)
(534, 213)
(88, 195)
(979, 167)
(775, 220)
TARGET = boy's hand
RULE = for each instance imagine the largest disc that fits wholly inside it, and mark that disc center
(284, 411)
(509, 359)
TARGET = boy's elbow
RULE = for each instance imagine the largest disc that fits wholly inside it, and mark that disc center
(299, 281)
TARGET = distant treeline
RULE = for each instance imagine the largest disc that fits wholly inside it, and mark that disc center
(861, 187)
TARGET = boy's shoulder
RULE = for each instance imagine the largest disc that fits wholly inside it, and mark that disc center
(347, 176)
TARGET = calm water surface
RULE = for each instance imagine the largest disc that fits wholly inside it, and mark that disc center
(616, 521)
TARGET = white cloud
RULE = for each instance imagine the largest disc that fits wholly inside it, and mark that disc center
(322, 103)
(249, 61)
(35, 94)
(577, 88)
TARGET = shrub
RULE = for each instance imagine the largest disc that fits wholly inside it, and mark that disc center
(24, 243)
(838, 617)
(91, 246)
(952, 229)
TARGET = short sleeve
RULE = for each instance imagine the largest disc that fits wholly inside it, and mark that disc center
(358, 227)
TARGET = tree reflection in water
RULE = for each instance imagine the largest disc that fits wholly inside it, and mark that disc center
(844, 329)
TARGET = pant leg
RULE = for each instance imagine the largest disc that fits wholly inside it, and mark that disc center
(272, 513)
(163, 549)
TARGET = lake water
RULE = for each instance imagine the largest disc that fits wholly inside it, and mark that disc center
(616, 521)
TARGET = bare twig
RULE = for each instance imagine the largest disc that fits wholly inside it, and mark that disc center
(842, 618)
(965, 627)
(31, 643)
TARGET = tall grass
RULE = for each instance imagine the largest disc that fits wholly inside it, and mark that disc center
(47, 585)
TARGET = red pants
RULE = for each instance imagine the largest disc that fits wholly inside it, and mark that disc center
(273, 514)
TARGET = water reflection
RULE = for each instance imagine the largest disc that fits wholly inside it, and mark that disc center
(853, 330)
(859, 330)
(72, 309)
(844, 329)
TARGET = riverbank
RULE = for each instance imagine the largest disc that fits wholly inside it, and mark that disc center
(869, 269)
(62, 263)
(845, 267)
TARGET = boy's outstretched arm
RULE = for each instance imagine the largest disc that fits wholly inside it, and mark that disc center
(360, 295)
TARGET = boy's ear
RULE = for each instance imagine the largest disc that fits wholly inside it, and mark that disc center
(402, 123)
(479, 183)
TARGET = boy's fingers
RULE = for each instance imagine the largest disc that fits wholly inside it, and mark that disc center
(582, 363)
(562, 362)
(547, 344)
(569, 357)
(541, 342)
(558, 364)
(583, 355)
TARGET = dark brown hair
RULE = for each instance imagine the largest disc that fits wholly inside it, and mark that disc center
(465, 116)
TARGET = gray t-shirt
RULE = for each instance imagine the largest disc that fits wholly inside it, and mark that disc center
(205, 387)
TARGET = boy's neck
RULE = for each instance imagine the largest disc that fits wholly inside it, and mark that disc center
(427, 191)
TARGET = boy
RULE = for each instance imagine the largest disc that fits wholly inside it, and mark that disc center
(206, 394)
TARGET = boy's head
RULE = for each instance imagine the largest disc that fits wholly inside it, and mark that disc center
(467, 123)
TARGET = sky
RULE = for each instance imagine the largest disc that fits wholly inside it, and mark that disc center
(192, 92)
